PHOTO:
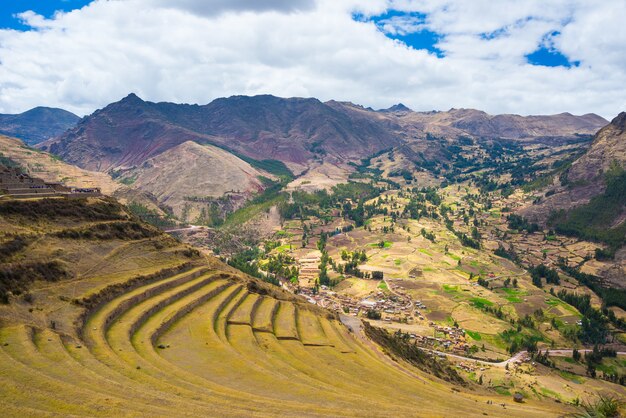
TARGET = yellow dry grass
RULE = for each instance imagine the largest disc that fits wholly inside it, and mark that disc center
(200, 342)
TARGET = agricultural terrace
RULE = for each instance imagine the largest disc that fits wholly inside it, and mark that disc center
(429, 262)
(128, 321)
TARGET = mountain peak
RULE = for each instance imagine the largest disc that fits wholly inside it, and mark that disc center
(620, 120)
(132, 98)
(399, 107)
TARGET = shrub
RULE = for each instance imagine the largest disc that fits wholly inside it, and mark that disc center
(373, 314)
(15, 278)
(604, 406)
(111, 230)
(399, 344)
(76, 209)
(12, 246)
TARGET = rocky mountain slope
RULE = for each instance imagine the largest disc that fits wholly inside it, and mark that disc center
(129, 132)
(609, 146)
(38, 124)
(576, 185)
(294, 130)
(148, 144)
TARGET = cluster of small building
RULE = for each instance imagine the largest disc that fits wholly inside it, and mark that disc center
(453, 337)
(19, 185)
(393, 308)
(469, 367)
(324, 298)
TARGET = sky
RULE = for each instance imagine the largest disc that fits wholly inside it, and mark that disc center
(510, 56)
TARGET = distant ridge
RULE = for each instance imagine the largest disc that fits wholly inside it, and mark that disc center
(168, 149)
(38, 124)
(296, 131)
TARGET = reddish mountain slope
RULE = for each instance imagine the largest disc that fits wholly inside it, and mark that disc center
(129, 132)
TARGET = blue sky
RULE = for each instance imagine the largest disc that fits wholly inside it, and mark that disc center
(550, 58)
(10, 8)
(509, 56)
(413, 32)
(412, 29)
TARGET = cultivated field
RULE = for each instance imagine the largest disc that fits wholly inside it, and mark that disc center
(147, 327)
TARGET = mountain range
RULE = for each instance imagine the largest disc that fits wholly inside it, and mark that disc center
(147, 144)
(295, 130)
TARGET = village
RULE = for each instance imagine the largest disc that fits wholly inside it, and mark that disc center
(384, 308)
(431, 289)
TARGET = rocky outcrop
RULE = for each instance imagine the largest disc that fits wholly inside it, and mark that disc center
(608, 146)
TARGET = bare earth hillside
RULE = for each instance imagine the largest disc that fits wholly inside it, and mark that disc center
(194, 170)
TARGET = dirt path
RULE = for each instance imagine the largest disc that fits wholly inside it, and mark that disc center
(561, 352)
(189, 228)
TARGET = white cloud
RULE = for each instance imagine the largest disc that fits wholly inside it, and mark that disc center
(190, 52)
(214, 7)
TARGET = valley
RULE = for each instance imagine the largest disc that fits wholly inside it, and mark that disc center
(312, 208)
(318, 259)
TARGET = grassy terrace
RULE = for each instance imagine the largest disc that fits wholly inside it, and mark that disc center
(149, 328)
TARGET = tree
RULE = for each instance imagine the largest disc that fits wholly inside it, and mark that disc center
(373, 314)
(591, 370)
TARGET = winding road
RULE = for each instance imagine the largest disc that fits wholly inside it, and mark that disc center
(189, 228)
(354, 323)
